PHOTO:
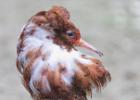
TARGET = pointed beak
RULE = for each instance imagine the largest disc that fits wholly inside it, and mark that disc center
(84, 44)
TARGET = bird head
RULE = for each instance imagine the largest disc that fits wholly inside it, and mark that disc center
(65, 33)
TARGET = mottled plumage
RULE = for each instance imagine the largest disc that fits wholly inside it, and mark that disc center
(50, 66)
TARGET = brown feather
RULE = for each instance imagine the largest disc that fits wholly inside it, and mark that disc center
(95, 73)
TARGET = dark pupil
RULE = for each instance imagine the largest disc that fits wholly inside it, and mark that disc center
(70, 33)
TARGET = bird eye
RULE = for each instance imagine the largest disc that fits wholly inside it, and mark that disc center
(70, 33)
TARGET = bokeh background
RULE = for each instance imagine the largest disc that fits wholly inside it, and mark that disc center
(113, 26)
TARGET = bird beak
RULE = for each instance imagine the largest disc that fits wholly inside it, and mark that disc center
(84, 44)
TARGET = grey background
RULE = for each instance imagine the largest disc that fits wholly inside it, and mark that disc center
(111, 25)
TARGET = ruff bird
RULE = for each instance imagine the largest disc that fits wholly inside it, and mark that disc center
(50, 66)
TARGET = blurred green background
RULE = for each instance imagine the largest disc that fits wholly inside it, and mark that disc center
(113, 26)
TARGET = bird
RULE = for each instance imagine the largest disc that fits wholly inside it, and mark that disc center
(50, 65)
